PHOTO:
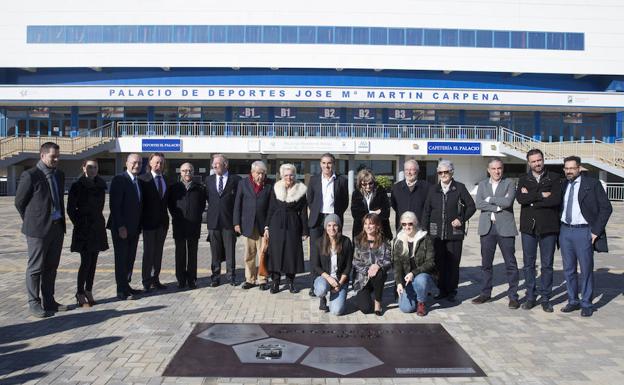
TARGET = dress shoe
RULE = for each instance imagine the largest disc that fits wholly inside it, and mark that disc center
(122, 295)
(147, 289)
(292, 288)
(263, 286)
(547, 307)
(421, 309)
(215, 283)
(192, 285)
(81, 300)
(513, 304)
(159, 286)
(528, 304)
(323, 304)
(451, 297)
(441, 295)
(90, 299)
(132, 291)
(481, 299)
(247, 286)
(233, 282)
(587, 312)
(569, 308)
(37, 311)
(56, 307)
(275, 287)
(181, 285)
(311, 292)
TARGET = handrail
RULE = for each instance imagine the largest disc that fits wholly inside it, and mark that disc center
(615, 191)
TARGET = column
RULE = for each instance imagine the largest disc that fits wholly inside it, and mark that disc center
(3, 123)
(13, 173)
(351, 173)
(400, 174)
(619, 123)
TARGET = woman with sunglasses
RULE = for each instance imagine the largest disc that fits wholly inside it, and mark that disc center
(414, 265)
(371, 262)
(447, 209)
(370, 198)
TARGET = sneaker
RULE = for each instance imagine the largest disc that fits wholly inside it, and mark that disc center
(421, 309)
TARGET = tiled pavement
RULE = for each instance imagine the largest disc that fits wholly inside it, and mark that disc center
(132, 341)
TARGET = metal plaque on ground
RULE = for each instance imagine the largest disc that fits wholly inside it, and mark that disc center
(309, 350)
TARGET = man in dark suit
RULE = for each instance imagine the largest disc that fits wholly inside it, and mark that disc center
(497, 226)
(250, 210)
(155, 221)
(39, 201)
(221, 192)
(409, 194)
(124, 222)
(328, 193)
(586, 210)
(539, 194)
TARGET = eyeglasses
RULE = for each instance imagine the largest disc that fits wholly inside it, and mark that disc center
(407, 224)
(371, 183)
(445, 172)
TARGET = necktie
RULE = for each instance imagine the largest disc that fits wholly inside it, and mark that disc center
(220, 184)
(569, 204)
(159, 184)
(55, 194)
(136, 185)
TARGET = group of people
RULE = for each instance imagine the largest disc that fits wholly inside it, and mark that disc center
(274, 219)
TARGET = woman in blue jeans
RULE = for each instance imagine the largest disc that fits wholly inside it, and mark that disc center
(333, 265)
(414, 265)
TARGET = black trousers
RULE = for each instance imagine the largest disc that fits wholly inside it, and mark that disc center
(86, 271)
(316, 233)
(447, 258)
(276, 276)
(153, 244)
(186, 260)
(223, 247)
(507, 246)
(125, 254)
(44, 255)
(375, 285)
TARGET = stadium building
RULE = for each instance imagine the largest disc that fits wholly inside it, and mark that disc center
(374, 83)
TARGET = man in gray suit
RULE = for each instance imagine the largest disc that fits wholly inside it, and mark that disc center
(495, 198)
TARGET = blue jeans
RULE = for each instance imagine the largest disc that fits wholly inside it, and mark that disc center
(577, 249)
(416, 291)
(337, 301)
(547, 251)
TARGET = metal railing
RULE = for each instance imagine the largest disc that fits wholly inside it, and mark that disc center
(615, 191)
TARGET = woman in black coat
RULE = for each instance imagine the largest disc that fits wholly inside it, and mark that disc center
(287, 222)
(447, 209)
(85, 203)
(369, 198)
(187, 201)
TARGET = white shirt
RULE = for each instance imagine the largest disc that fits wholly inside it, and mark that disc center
(494, 185)
(225, 178)
(135, 182)
(334, 265)
(327, 185)
(368, 198)
(577, 216)
(164, 185)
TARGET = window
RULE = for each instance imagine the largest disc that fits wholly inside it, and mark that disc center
(270, 34)
(343, 35)
(518, 39)
(484, 39)
(432, 37)
(361, 35)
(449, 38)
(537, 40)
(575, 41)
(235, 34)
(325, 35)
(501, 39)
(307, 35)
(396, 36)
(218, 33)
(253, 34)
(554, 40)
(289, 35)
(467, 38)
(414, 36)
(379, 36)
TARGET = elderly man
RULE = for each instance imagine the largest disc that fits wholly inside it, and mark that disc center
(250, 210)
(221, 192)
(39, 201)
(409, 194)
(497, 226)
(124, 222)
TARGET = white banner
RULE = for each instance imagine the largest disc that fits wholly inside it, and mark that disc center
(338, 95)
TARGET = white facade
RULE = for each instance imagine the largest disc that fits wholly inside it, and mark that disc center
(599, 20)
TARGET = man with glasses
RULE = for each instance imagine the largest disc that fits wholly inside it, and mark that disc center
(497, 226)
(539, 194)
(586, 210)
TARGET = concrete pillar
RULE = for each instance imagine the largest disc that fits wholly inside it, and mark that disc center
(3, 123)
(400, 174)
(351, 173)
(13, 173)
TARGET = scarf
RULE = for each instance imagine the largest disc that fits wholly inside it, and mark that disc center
(256, 187)
(50, 174)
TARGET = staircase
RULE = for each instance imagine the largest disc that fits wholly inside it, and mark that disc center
(16, 149)
(605, 156)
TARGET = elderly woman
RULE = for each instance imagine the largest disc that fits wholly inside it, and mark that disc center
(187, 200)
(85, 203)
(371, 262)
(332, 266)
(370, 198)
(287, 225)
(447, 209)
(414, 265)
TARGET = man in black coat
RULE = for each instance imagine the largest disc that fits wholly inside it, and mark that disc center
(155, 221)
(124, 223)
(328, 193)
(250, 211)
(39, 201)
(187, 200)
(539, 194)
(586, 211)
(221, 192)
(409, 194)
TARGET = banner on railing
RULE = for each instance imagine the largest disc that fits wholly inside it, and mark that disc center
(454, 148)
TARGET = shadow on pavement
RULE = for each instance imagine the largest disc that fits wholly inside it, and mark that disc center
(23, 378)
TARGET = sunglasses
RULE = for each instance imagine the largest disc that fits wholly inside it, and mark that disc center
(444, 172)
(368, 183)
(407, 224)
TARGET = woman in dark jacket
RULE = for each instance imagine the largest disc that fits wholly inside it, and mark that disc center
(447, 209)
(187, 200)
(371, 198)
(414, 265)
(333, 266)
(85, 203)
(287, 222)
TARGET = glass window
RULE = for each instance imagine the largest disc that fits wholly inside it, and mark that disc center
(449, 38)
(379, 36)
(289, 34)
(307, 35)
(109, 34)
(501, 39)
(554, 40)
(75, 34)
(213, 114)
(235, 34)
(518, 39)
(432, 37)
(94, 33)
(537, 40)
(128, 34)
(523, 122)
(35, 34)
(253, 34)
(447, 116)
(361, 35)
(414, 36)
(182, 33)
(484, 39)
(217, 33)
(575, 41)
(325, 35)
(396, 36)
(467, 38)
(200, 34)
(343, 35)
(270, 34)
(163, 33)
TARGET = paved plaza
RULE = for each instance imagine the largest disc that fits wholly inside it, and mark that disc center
(131, 342)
